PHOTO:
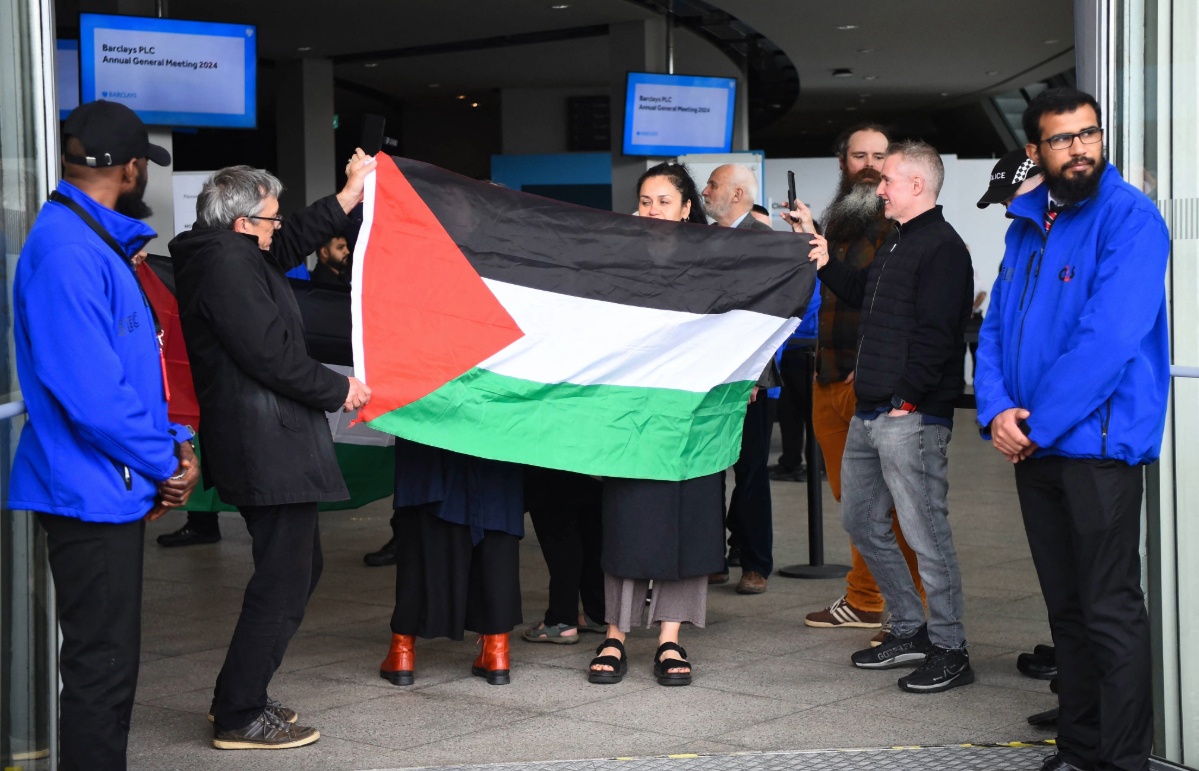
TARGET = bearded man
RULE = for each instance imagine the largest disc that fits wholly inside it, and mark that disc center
(855, 227)
(1073, 378)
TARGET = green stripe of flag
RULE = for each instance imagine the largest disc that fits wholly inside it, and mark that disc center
(605, 430)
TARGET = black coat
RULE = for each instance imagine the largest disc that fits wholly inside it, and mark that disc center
(263, 399)
(915, 299)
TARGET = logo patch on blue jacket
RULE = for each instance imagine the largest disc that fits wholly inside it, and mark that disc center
(1006, 273)
(1066, 274)
(127, 325)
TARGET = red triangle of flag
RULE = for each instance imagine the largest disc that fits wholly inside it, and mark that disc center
(426, 316)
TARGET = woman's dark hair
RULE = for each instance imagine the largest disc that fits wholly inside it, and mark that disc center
(681, 179)
(1056, 101)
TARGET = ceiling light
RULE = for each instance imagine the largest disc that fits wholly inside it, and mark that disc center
(560, 6)
(371, 65)
(865, 50)
(992, 72)
(847, 26)
(870, 77)
(461, 96)
(944, 93)
(304, 48)
(1051, 41)
(842, 72)
(474, 104)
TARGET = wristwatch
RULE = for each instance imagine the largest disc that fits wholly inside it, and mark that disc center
(899, 404)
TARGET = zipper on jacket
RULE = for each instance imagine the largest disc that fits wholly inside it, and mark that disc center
(1036, 274)
(1027, 274)
(1103, 424)
(125, 474)
(862, 339)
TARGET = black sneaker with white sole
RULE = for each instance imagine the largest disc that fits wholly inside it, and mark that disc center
(944, 669)
(895, 651)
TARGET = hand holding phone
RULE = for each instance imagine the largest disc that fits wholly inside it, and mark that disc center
(791, 190)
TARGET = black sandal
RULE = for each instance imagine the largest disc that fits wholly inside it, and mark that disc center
(663, 666)
(619, 665)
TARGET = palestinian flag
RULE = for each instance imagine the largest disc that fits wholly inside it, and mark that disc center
(507, 326)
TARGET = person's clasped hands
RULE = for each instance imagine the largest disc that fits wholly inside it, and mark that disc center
(174, 491)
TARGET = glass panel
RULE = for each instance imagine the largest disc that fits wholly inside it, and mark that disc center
(27, 641)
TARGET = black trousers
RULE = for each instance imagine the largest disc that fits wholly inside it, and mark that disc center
(749, 521)
(566, 510)
(287, 565)
(97, 569)
(795, 422)
(1083, 522)
(445, 584)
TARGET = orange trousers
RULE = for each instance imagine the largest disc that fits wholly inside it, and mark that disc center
(833, 406)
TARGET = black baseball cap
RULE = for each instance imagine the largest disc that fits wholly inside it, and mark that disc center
(112, 135)
(1008, 175)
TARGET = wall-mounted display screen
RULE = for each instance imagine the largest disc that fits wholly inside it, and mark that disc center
(171, 72)
(678, 114)
(66, 66)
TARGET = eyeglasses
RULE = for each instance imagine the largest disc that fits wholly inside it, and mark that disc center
(1087, 136)
(277, 220)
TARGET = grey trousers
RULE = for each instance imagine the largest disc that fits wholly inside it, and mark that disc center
(685, 601)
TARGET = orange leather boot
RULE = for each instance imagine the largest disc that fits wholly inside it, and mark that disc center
(398, 667)
(492, 661)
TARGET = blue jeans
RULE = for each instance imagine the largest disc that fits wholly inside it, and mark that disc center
(903, 462)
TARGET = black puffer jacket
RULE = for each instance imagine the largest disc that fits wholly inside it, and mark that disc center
(915, 299)
(264, 434)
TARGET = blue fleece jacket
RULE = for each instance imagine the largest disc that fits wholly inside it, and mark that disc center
(1076, 332)
(97, 441)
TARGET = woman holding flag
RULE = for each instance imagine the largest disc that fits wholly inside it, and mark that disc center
(667, 533)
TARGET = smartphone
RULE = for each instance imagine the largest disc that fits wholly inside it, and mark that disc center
(1022, 424)
(790, 191)
(373, 127)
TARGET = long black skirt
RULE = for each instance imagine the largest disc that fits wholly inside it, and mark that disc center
(666, 531)
(445, 585)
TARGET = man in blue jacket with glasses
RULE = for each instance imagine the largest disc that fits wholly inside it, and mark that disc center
(1073, 376)
(98, 456)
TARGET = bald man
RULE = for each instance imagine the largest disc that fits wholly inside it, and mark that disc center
(728, 199)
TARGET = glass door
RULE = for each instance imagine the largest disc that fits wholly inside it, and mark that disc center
(28, 636)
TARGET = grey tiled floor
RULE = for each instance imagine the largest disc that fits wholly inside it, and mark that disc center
(763, 681)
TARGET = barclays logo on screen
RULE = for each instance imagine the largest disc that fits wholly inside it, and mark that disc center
(119, 94)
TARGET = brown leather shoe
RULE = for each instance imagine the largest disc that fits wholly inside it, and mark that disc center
(399, 666)
(751, 583)
(492, 661)
(719, 578)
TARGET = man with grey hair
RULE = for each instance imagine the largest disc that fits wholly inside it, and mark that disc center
(266, 442)
(728, 199)
(915, 298)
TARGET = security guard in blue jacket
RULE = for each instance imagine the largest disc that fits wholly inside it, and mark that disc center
(98, 456)
(1073, 376)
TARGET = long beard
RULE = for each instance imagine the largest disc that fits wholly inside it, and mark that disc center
(1072, 190)
(855, 208)
(133, 203)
